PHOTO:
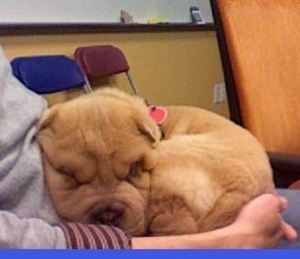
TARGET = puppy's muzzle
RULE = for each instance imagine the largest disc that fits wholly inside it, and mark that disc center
(109, 215)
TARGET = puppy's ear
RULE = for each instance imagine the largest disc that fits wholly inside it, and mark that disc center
(47, 118)
(149, 128)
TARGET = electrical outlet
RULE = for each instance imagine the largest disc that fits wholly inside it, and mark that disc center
(219, 93)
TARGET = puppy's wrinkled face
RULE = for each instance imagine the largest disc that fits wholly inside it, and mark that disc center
(97, 153)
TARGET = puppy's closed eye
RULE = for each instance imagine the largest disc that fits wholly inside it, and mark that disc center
(68, 176)
(134, 168)
(65, 171)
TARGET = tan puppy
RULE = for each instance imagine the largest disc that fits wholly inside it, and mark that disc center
(106, 162)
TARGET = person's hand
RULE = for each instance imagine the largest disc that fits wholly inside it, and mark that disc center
(258, 225)
(261, 222)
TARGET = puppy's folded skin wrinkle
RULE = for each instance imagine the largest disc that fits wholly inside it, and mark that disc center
(194, 179)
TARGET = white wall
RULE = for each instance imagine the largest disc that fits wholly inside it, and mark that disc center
(97, 11)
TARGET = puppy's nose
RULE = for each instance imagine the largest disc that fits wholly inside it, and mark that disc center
(110, 215)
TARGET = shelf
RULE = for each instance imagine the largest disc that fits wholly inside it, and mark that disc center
(73, 28)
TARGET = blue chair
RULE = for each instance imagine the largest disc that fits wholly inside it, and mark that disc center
(49, 73)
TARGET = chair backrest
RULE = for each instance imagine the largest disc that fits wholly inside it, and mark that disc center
(48, 73)
(260, 53)
(102, 61)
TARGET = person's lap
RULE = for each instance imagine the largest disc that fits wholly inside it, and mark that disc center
(291, 214)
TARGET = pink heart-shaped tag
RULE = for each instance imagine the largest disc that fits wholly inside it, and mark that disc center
(158, 114)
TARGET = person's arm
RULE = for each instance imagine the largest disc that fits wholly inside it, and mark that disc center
(35, 233)
(259, 225)
(28, 233)
(94, 236)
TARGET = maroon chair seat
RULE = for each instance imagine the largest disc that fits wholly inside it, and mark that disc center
(102, 61)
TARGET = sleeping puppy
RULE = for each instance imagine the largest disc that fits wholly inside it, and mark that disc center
(107, 161)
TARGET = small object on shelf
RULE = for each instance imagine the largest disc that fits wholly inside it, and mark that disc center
(126, 17)
(196, 15)
(157, 20)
